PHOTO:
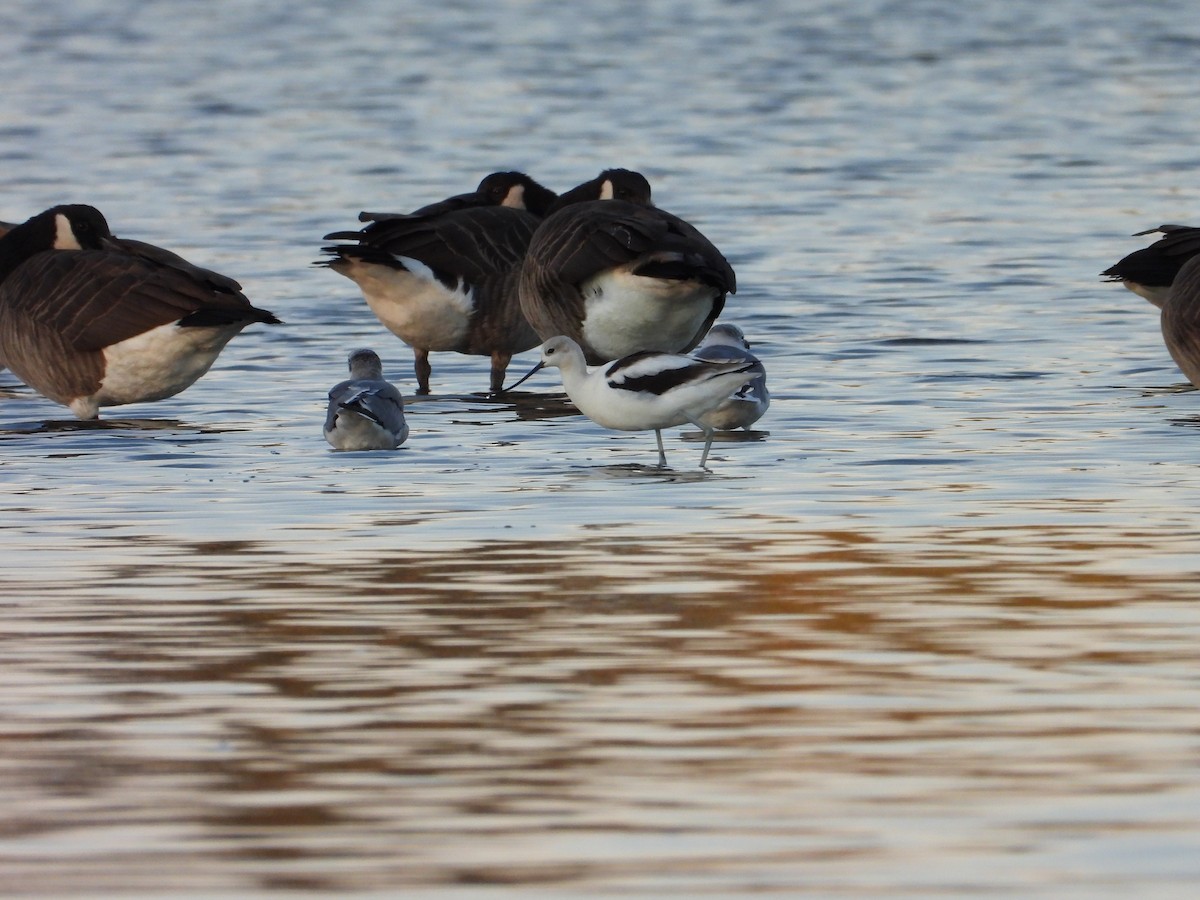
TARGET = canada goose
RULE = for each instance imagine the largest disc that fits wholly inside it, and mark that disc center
(5, 228)
(1150, 271)
(365, 412)
(645, 390)
(513, 189)
(1180, 320)
(445, 276)
(746, 405)
(618, 275)
(90, 320)
(611, 184)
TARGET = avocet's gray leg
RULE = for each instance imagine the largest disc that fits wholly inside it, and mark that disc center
(708, 439)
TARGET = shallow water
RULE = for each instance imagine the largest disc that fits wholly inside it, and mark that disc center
(930, 630)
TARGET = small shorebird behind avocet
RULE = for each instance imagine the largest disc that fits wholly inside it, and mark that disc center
(747, 404)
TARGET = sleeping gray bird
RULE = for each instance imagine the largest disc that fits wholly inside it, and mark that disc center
(365, 411)
(746, 405)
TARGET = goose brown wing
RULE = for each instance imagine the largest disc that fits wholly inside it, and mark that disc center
(1159, 263)
(44, 359)
(94, 299)
(498, 322)
(673, 248)
(1176, 239)
(160, 256)
(441, 207)
(472, 243)
(586, 238)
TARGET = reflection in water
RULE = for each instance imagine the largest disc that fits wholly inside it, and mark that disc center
(600, 713)
(532, 406)
(930, 633)
(106, 424)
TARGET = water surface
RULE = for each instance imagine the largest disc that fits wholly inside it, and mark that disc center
(930, 631)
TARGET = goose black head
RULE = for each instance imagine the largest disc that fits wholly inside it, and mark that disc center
(73, 226)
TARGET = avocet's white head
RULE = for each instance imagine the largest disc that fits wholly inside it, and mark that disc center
(557, 353)
(561, 353)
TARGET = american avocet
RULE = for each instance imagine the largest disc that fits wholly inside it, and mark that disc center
(365, 412)
(1150, 271)
(444, 277)
(646, 390)
(90, 320)
(746, 405)
(618, 275)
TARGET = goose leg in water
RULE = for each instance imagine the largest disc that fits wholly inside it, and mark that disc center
(500, 361)
(423, 369)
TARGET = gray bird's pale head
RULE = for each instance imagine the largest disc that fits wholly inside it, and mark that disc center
(365, 363)
(726, 334)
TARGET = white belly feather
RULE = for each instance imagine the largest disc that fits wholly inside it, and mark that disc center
(627, 313)
(414, 305)
(159, 363)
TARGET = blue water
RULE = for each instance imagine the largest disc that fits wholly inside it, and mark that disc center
(931, 632)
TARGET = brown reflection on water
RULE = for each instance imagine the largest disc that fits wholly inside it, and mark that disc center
(827, 706)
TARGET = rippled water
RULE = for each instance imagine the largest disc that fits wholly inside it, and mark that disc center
(931, 631)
